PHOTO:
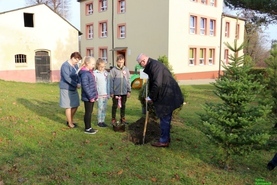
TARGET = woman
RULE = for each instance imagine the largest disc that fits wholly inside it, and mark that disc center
(69, 83)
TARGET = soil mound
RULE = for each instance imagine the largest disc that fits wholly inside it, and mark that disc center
(136, 131)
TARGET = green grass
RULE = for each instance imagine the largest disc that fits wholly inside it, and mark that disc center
(36, 147)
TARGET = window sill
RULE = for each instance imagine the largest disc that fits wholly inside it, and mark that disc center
(21, 65)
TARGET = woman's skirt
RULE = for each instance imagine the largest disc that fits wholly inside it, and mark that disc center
(69, 99)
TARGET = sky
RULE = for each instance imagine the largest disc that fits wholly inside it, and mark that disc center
(74, 18)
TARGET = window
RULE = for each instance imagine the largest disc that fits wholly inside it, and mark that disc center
(203, 1)
(212, 27)
(89, 9)
(28, 20)
(211, 56)
(212, 2)
(90, 31)
(193, 24)
(121, 5)
(226, 56)
(103, 54)
(90, 52)
(121, 31)
(202, 54)
(103, 5)
(227, 29)
(192, 53)
(203, 23)
(237, 31)
(103, 29)
(20, 58)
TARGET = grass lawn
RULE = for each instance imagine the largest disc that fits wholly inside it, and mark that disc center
(36, 146)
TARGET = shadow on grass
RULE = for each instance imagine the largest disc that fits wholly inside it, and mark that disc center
(47, 109)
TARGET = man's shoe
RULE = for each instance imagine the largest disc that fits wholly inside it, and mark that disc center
(270, 166)
(159, 144)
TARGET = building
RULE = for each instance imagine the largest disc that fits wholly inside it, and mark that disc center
(191, 33)
(35, 41)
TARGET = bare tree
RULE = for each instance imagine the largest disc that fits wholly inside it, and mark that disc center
(255, 40)
(61, 7)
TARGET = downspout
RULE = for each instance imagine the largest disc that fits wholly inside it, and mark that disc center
(220, 45)
(113, 32)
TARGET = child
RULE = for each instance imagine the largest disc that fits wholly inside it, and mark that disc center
(89, 92)
(120, 88)
(103, 89)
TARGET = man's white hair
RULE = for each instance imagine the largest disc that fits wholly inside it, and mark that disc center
(139, 56)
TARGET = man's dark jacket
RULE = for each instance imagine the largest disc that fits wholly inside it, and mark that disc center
(164, 91)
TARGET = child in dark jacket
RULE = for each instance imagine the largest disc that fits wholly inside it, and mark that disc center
(89, 91)
(120, 88)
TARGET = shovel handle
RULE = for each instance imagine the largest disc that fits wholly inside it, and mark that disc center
(145, 126)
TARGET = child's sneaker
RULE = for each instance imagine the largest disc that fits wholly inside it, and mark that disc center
(102, 124)
(90, 131)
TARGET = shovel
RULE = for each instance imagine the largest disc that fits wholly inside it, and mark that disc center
(146, 116)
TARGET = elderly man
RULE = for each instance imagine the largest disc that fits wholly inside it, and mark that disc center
(164, 93)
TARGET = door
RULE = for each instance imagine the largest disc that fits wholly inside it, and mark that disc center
(42, 65)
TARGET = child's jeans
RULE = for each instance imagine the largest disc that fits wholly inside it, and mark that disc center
(102, 109)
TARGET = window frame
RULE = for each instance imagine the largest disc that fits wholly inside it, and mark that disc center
(213, 3)
(203, 29)
(212, 27)
(20, 59)
(121, 35)
(226, 56)
(103, 29)
(211, 56)
(90, 31)
(237, 31)
(227, 29)
(103, 51)
(121, 6)
(103, 5)
(192, 24)
(192, 55)
(28, 20)
(89, 8)
(202, 54)
(90, 51)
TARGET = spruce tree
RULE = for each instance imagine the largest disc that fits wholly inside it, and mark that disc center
(235, 124)
(272, 81)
